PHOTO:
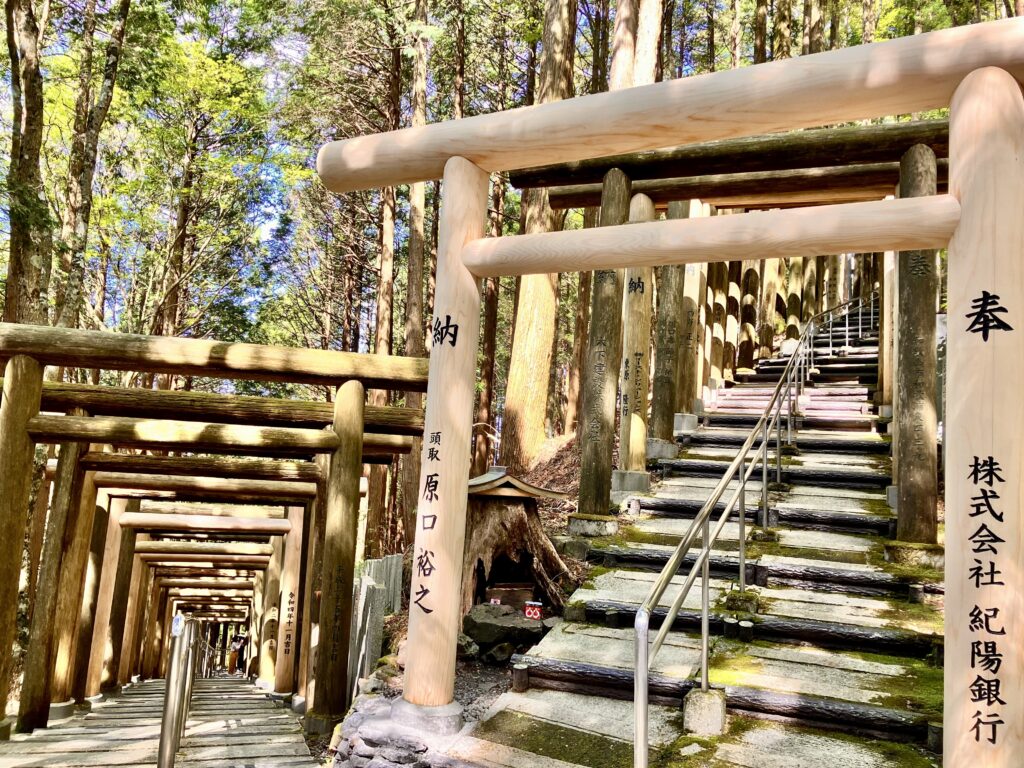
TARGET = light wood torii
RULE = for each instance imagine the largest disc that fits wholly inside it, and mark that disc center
(974, 69)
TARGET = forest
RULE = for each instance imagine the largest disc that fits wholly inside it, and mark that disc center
(161, 173)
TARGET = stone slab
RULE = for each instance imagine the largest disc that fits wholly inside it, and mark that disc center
(632, 587)
(661, 449)
(631, 482)
(824, 540)
(607, 717)
(608, 647)
(489, 754)
(771, 745)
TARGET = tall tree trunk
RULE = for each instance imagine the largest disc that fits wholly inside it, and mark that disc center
(869, 19)
(604, 340)
(735, 34)
(665, 63)
(483, 439)
(460, 58)
(89, 118)
(760, 31)
(813, 30)
(782, 44)
(376, 522)
(710, 8)
(31, 237)
(805, 29)
(414, 297)
(835, 18)
(591, 218)
(527, 393)
(638, 304)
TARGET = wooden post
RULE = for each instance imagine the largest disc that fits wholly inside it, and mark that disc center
(820, 297)
(435, 615)
(117, 634)
(34, 704)
(23, 381)
(984, 658)
(833, 282)
(339, 553)
(271, 617)
(167, 613)
(151, 647)
(89, 609)
(885, 331)
(40, 509)
(251, 667)
(750, 287)
(604, 356)
(134, 622)
(811, 298)
(634, 384)
(733, 299)
(691, 359)
(310, 610)
(77, 541)
(99, 643)
(770, 280)
(916, 425)
(718, 287)
(708, 323)
(794, 306)
(671, 342)
(287, 628)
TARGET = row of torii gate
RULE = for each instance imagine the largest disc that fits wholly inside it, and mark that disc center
(978, 219)
(976, 72)
(237, 510)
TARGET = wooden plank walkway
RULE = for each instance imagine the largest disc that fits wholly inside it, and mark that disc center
(231, 724)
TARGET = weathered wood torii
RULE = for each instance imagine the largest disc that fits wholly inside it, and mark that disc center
(975, 70)
(129, 546)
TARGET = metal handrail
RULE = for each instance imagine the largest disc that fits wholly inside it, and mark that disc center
(190, 655)
(793, 378)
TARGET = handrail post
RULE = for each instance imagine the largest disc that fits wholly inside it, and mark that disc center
(743, 526)
(764, 476)
(705, 627)
(778, 445)
(190, 670)
(173, 701)
(789, 414)
(642, 627)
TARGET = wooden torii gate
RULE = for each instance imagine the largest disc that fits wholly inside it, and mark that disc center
(975, 71)
(100, 624)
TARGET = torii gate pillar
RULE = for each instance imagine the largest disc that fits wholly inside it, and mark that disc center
(984, 655)
(435, 610)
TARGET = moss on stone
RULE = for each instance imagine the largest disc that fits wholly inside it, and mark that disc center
(897, 753)
(595, 518)
(918, 617)
(530, 734)
(910, 574)
(668, 755)
(631, 535)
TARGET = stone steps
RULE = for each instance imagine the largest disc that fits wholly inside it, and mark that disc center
(830, 476)
(230, 723)
(805, 440)
(788, 682)
(821, 624)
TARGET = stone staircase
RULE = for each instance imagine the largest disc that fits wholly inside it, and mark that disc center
(841, 662)
(231, 724)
